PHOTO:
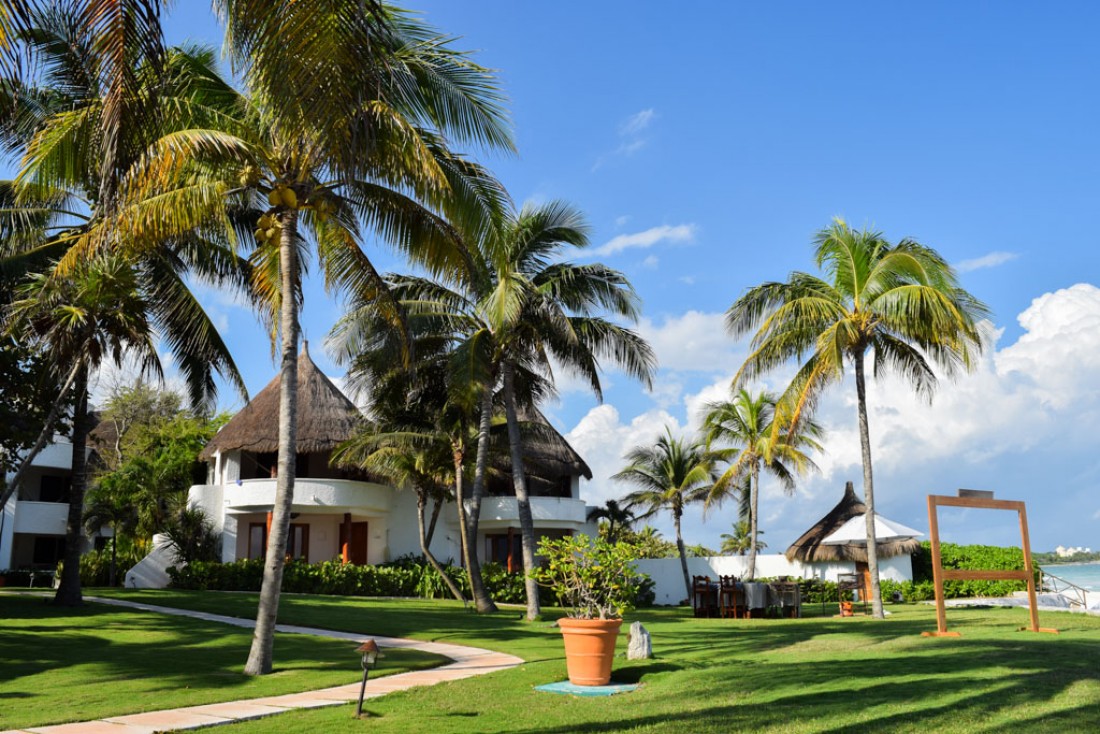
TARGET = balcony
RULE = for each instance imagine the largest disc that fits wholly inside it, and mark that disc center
(547, 512)
(312, 496)
(41, 518)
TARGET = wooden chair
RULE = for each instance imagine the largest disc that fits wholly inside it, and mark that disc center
(702, 596)
(790, 598)
(731, 600)
(849, 582)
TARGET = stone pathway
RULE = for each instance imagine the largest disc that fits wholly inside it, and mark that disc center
(468, 662)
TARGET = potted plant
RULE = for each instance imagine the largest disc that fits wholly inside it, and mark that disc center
(596, 580)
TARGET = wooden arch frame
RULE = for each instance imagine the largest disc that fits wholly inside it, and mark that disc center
(983, 501)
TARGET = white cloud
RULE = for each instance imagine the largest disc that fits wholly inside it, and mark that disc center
(651, 262)
(632, 136)
(991, 260)
(637, 122)
(1023, 424)
(694, 341)
(622, 221)
(645, 239)
(602, 439)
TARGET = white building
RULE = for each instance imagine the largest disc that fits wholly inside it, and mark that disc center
(32, 524)
(343, 514)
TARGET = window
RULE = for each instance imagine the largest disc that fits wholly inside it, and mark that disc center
(48, 550)
(54, 488)
(505, 549)
(297, 543)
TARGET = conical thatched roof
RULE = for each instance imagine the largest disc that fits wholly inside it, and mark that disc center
(325, 416)
(809, 549)
(546, 452)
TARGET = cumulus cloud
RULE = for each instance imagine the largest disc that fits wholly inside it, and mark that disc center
(1023, 423)
(645, 239)
(991, 260)
(603, 439)
(694, 341)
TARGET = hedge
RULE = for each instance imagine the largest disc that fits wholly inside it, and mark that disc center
(406, 576)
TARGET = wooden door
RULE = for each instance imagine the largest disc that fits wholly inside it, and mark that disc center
(356, 550)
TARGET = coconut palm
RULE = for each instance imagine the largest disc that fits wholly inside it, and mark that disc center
(755, 440)
(900, 303)
(617, 516)
(99, 312)
(740, 540)
(411, 456)
(60, 199)
(517, 309)
(107, 510)
(669, 475)
(366, 341)
(342, 131)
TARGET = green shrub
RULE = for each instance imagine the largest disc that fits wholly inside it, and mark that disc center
(968, 557)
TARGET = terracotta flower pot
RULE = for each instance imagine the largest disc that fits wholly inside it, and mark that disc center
(589, 649)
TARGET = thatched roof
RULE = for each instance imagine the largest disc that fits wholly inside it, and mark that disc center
(809, 549)
(325, 416)
(546, 452)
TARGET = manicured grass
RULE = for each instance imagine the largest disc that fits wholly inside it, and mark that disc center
(811, 675)
(59, 665)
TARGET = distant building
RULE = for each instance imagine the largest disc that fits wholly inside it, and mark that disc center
(1064, 552)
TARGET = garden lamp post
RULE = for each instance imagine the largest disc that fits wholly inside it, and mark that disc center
(370, 653)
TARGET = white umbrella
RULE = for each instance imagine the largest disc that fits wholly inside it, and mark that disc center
(855, 531)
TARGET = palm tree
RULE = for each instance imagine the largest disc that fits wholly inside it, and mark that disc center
(107, 510)
(669, 475)
(757, 440)
(365, 339)
(901, 303)
(740, 540)
(518, 308)
(617, 516)
(101, 311)
(66, 189)
(343, 130)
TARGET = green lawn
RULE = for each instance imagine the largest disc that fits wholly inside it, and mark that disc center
(59, 665)
(812, 675)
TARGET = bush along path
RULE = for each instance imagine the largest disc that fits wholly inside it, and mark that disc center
(468, 662)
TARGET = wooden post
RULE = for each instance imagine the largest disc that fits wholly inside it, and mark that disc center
(937, 567)
(267, 530)
(969, 499)
(1033, 602)
(345, 548)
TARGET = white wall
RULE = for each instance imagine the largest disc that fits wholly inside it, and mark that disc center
(669, 576)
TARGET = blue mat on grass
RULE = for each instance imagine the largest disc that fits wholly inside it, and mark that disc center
(568, 688)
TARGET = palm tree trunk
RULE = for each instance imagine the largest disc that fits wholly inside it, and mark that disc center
(43, 437)
(482, 600)
(437, 506)
(68, 589)
(523, 502)
(676, 513)
(754, 513)
(868, 489)
(421, 501)
(263, 639)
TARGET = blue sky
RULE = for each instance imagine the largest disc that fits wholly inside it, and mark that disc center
(708, 142)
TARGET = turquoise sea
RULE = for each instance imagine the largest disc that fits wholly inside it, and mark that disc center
(1085, 575)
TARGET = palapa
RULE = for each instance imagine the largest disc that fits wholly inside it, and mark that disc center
(326, 417)
(810, 549)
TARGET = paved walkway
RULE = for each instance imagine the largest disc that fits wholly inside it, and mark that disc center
(468, 662)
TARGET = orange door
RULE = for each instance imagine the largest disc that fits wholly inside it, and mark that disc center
(356, 550)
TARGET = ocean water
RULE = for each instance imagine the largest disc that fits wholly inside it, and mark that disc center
(1085, 575)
